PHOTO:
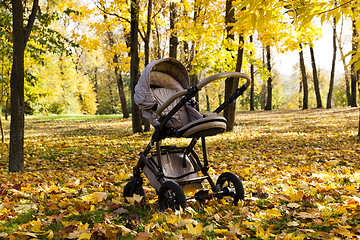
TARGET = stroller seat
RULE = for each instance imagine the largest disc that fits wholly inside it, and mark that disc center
(188, 121)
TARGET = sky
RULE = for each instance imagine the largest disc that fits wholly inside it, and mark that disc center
(323, 50)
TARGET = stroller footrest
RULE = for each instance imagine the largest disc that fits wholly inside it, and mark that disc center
(192, 180)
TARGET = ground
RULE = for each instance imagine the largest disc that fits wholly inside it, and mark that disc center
(300, 171)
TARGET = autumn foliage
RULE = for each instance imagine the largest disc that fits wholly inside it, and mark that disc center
(299, 169)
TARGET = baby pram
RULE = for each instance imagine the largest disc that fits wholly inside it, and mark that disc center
(164, 95)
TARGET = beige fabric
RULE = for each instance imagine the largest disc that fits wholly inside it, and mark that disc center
(164, 80)
(180, 118)
(207, 123)
(172, 165)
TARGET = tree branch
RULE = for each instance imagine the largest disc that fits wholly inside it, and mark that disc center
(31, 21)
(111, 14)
(335, 7)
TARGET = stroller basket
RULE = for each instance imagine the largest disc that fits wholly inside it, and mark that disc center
(176, 166)
(164, 95)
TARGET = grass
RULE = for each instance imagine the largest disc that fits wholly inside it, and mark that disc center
(299, 169)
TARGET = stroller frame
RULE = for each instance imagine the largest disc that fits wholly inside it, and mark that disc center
(171, 188)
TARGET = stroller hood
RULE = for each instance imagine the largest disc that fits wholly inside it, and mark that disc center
(143, 96)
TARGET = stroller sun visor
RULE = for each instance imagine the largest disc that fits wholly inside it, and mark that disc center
(167, 73)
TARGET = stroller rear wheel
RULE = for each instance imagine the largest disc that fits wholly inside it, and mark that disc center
(171, 196)
(231, 184)
(132, 188)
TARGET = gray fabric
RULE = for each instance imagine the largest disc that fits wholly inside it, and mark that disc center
(180, 118)
(143, 96)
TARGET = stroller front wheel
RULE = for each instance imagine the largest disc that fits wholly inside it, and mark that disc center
(132, 188)
(171, 196)
(231, 185)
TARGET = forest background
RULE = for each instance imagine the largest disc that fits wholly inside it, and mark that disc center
(78, 57)
(86, 56)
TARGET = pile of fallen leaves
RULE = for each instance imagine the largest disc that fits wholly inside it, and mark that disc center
(300, 171)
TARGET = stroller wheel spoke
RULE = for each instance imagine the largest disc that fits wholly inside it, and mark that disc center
(231, 185)
(171, 196)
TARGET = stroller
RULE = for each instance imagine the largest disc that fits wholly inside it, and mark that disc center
(166, 100)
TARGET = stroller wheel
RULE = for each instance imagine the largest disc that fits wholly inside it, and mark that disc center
(231, 184)
(132, 188)
(171, 196)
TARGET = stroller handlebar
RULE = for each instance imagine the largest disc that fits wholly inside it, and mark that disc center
(202, 84)
(225, 75)
(170, 100)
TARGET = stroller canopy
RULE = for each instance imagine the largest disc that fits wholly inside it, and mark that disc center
(167, 73)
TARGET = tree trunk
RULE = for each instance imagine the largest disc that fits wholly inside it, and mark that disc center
(316, 79)
(332, 75)
(173, 36)
(147, 52)
(20, 38)
(134, 64)
(263, 88)
(252, 86)
(354, 77)
(119, 81)
(229, 111)
(305, 102)
(157, 45)
(207, 100)
(2, 131)
(194, 79)
(346, 70)
(300, 93)
(148, 34)
(120, 85)
(7, 108)
(268, 105)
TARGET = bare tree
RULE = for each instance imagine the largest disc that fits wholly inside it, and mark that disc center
(304, 81)
(173, 36)
(332, 75)
(316, 79)
(268, 105)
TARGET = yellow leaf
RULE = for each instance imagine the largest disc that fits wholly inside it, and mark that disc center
(95, 197)
(221, 231)
(50, 234)
(64, 204)
(135, 198)
(85, 235)
(196, 231)
(261, 233)
(172, 219)
(343, 231)
(351, 188)
(36, 226)
(305, 215)
(121, 176)
(340, 210)
(274, 212)
(293, 205)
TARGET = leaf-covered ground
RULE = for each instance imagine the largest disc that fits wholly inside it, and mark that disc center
(300, 170)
